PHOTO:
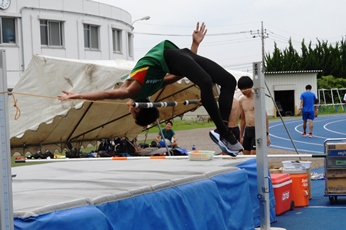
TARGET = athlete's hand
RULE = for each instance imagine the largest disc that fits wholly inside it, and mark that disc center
(199, 33)
(69, 95)
(268, 140)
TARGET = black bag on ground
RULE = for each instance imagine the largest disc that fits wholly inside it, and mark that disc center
(124, 146)
(143, 145)
(105, 145)
(179, 152)
(39, 155)
(104, 153)
(48, 154)
(153, 144)
(73, 153)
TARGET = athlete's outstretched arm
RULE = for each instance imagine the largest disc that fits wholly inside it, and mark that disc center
(198, 36)
(129, 89)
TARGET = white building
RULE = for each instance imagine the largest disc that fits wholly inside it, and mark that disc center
(77, 29)
(285, 87)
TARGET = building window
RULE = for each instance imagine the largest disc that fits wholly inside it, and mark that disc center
(91, 37)
(130, 43)
(116, 36)
(51, 33)
(8, 30)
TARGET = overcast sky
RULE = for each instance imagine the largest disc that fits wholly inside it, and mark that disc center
(233, 26)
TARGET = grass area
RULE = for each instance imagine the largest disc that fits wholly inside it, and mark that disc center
(183, 125)
(15, 164)
(191, 124)
(178, 125)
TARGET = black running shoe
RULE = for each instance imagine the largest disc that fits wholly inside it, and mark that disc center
(227, 143)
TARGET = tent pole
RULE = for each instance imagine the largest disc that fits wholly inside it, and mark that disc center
(158, 124)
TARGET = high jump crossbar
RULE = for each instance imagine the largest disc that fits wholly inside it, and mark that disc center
(162, 104)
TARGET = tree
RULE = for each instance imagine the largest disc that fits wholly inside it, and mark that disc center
(275, 63)
(326, 57)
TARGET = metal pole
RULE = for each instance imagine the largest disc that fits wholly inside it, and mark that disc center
(6, 199)
(162, 136)
(261, 146)
(341, 102)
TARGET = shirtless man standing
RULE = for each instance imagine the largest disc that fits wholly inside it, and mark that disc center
(247, 117)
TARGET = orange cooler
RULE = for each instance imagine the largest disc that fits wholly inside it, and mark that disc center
(282, 186)
(300, 187)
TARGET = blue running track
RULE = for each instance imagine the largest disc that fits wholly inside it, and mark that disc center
(327, 126)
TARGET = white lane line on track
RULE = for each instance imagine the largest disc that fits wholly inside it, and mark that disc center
(314, 136)
(332, 131)
(296, 141)
(292, 149)
(290, 122)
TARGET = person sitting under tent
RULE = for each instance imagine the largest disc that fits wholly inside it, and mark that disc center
(169, 137)
(165, 64)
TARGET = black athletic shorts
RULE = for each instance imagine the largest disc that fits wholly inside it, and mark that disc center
(249, 139)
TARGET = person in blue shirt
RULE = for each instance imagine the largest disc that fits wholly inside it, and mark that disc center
(307, 101)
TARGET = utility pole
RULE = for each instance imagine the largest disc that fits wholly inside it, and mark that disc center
(262, 34)
(262, 38)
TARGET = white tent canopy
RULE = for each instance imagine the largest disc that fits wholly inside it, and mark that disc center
(45, 123)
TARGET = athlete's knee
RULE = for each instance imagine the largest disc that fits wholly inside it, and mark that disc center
(229, 81)
(205, 82)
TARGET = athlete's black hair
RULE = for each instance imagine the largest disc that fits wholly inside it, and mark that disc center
(146, 116)
(245, 82)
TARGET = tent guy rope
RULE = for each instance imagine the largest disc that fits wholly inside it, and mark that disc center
(136, 104)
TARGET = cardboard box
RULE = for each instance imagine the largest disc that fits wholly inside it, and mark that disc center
(335, 146)
(275, 171)
(309, 183)
(337, 185)
(336, 173)
(273, 168)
